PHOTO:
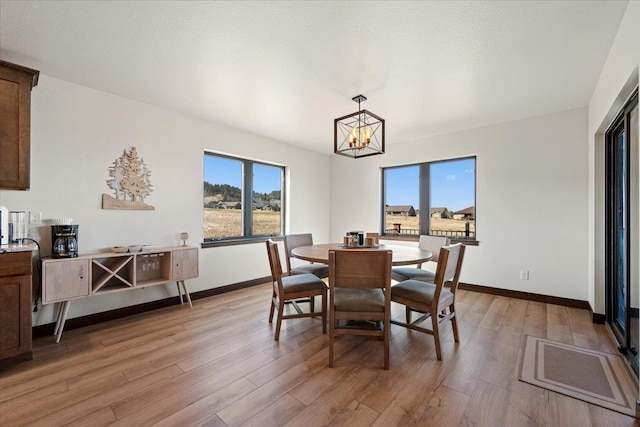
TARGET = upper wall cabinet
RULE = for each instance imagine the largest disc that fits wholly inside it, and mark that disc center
(16, 83)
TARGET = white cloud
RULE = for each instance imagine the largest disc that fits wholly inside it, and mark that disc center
(468, 171)
(451, 177)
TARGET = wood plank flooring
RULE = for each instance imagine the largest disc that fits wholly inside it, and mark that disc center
(218, 365)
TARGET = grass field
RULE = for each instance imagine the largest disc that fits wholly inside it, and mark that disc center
(437, 224)
(228, 222)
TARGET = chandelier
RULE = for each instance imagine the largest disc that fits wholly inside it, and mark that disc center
(359, 134)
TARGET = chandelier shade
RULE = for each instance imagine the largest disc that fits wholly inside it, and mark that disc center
(359, 134)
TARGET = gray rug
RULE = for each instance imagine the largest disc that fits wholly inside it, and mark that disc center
(588, 375)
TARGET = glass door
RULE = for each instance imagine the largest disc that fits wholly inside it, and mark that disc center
(623, 222)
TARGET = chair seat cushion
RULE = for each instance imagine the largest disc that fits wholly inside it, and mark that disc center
(301, 283)
(400, 274)
(359, 300)
(320, 270)
(420, 292)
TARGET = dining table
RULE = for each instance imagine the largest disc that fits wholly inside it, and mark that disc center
(400, 255)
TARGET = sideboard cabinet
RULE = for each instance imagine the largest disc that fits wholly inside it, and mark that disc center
(16, 83)
(15, 307)
(67, 279)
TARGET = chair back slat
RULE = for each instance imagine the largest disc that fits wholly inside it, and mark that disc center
(452, 262)
(292, 241)
(360, 268)
(449, 267)
(457, 267)
(433, 244)
(276, 267)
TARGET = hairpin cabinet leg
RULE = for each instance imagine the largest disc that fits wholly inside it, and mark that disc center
(62, 318)
(179, 292)
(186, 292)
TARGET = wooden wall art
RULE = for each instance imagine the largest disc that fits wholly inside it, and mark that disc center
(129, 179)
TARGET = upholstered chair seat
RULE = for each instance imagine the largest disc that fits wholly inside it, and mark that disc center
(400, 274)
(318, 270)
(356, 300)
(302, 283)
(422, 293)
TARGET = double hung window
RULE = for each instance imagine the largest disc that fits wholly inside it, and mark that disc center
(434, 198)
(242, 198)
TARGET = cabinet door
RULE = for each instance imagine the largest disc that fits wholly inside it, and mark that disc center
(15, 118)
(15, 316)
(64, 280)
(185, 264)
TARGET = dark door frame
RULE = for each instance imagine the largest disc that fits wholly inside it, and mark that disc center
(621, 122)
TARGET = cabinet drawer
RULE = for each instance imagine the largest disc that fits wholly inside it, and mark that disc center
(15, 264)
(64, 280)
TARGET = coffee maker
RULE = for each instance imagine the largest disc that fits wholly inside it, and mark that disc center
(64, 240)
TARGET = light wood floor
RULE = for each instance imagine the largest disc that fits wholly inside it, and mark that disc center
(217, 364)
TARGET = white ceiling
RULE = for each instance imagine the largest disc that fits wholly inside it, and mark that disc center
(286, 69)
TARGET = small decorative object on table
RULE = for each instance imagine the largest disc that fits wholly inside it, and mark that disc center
(184, 236)
(356, 239)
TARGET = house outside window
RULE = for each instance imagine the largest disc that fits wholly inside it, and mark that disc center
(434, 198)
(242, 198)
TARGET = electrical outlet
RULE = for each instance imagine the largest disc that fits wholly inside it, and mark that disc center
(524, 274)
(35, 218)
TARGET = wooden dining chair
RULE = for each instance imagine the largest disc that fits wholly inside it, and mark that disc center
(292, 241)
(428, 243)
(359, 295)
(433, 299)
(293, 290)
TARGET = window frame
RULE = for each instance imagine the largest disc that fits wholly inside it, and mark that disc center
(247, 204)
(424, 199)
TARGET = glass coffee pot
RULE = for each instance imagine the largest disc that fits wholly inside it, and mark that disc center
(65, 241)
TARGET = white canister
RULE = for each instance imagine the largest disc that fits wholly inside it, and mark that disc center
(4, 225)
(18, 219)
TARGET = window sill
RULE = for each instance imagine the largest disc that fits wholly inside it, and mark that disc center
(234, 242)
(468, 242)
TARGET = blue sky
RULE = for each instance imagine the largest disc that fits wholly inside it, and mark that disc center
(452, 185)
(220, 170)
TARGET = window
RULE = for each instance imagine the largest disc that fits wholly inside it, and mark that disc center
(242, 198)
(436, 198)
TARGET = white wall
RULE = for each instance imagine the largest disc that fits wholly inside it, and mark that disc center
(618, 78)
(536, 187)
(531, 199)
(78, 132)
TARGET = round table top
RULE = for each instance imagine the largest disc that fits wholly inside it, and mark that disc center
(401, 255)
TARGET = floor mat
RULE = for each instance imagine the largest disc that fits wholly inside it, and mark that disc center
(592, 376)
